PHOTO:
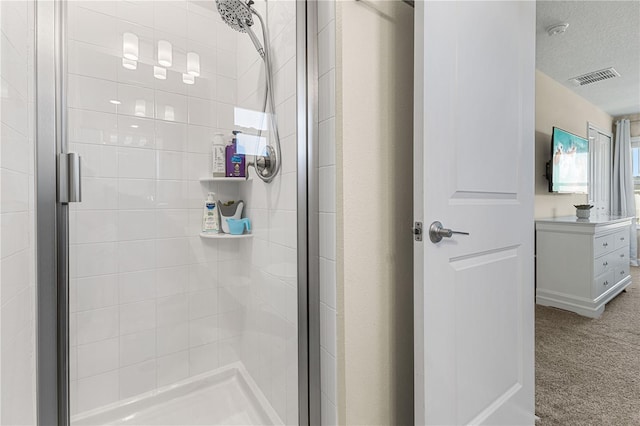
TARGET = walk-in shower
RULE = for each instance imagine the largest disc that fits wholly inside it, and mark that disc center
(142, 318)
(238, 15)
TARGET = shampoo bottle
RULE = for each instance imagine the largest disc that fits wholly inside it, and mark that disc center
(210, 218)
(236, 165)
(218, 157)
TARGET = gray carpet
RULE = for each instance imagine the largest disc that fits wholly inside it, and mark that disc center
(588, 370)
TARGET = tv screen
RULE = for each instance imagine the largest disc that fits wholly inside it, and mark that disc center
(569, 163)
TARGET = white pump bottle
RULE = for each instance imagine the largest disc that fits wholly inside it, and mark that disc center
(210, 217)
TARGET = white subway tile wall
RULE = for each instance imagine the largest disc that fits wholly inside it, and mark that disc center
(327, 182)
(144, 285)
(153, 303)
(17, 226)
(261, 324)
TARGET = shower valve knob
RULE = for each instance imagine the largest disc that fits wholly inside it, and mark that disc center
(265, 164)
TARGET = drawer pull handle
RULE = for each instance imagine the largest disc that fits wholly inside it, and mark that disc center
(605, 283)
(622, 255)
(605, 244)
(621, 272)
(621, 238)
(605, 263)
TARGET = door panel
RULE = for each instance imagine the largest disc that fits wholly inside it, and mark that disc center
(475, 109)
(600, 184)
(477, 81)
(483, 315)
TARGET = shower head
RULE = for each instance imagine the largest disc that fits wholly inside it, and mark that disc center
(236, 14)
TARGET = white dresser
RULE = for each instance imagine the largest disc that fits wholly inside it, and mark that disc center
(581, 264)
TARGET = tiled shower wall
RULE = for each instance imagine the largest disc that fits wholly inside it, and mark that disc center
(268, 346)
(17, 227)
(327, 180)
(152, 302)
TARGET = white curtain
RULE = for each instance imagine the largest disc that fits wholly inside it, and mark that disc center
(623, 201)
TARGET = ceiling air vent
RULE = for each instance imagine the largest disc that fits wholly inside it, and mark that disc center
(594, 77)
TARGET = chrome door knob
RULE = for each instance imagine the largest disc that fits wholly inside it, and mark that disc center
(437, 232)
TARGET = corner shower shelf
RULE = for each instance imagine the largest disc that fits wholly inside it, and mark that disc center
(223, 179)
(224, 236)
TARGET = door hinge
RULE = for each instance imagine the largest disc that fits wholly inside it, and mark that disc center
(417, 231)
(69, 178)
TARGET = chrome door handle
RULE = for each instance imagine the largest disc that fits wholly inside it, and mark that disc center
(69, 178)
(437, 232)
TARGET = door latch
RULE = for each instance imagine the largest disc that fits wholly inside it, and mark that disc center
(417, 231)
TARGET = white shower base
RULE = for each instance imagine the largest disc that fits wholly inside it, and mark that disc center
(227, 396)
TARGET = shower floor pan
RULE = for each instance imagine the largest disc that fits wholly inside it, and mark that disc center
(227, 396)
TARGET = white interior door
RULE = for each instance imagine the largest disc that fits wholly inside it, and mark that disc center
(474, 330)
(600, 148)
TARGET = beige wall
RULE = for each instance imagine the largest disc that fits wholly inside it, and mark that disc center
(558, 106)
(374, 101)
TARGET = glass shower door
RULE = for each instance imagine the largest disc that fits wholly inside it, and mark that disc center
(170, 325)
(17, 214)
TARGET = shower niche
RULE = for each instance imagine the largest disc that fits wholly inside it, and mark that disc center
(168, 326)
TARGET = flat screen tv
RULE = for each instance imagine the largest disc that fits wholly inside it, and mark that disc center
(568, 170)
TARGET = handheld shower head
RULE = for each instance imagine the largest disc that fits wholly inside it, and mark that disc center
(236, 14)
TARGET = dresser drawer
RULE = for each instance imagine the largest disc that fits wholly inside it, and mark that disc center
(621, 271)
(621, 256)
(604, 263)
(621, 238)
(603, 245)
(603, 283)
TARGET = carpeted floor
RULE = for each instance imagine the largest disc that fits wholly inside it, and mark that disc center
(588, 370)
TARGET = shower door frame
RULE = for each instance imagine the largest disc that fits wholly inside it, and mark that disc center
(52, 218)
(308, 242)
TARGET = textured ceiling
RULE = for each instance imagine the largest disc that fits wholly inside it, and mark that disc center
(601, 34)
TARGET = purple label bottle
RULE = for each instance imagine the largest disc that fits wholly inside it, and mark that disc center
(235, 163)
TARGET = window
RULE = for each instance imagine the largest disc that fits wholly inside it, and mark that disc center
(635, 162)
(635, 171)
